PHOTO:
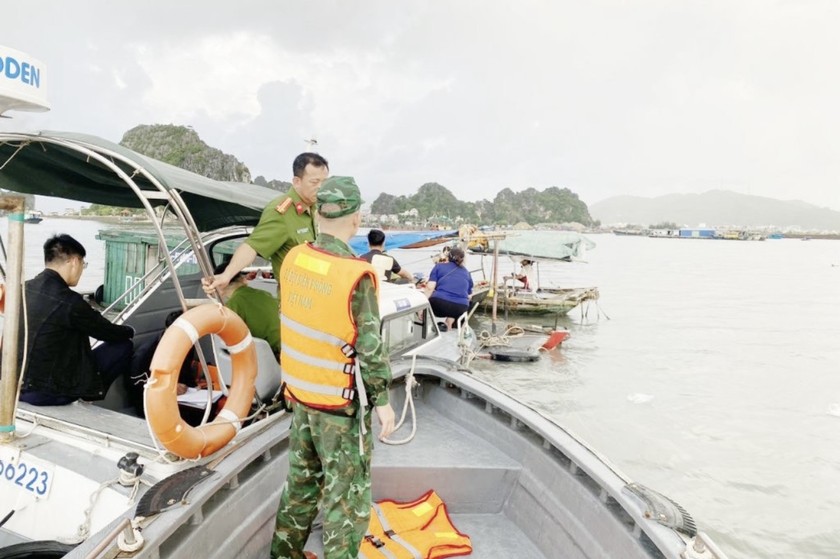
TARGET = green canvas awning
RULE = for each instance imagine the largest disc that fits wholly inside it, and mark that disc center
(554, 245)
(56, 164)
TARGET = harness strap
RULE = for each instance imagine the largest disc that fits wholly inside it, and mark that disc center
(380, 547)
(393, 535)
(347, 349)
(363, 405)
(316, 361)
(296, 382)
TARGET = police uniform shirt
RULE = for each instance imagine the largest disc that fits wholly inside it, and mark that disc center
(285, 223)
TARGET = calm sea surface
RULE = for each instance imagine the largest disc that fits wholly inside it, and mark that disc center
(715, 380)
(709, 371)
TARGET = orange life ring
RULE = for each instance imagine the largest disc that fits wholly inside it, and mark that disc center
(161, 391)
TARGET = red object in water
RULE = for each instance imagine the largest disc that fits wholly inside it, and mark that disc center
(556, 338)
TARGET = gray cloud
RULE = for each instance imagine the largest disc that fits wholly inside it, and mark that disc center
(606, 98)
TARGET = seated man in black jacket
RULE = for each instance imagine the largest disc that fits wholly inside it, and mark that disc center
(60, 365)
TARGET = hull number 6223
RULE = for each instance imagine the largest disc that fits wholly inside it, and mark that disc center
(23, 472)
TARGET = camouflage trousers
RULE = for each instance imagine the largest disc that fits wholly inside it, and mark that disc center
(325, 464)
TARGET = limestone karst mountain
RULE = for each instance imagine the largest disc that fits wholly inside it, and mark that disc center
(181, 146)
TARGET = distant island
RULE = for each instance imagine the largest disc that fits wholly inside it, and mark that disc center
(716, 208)
(434, 205)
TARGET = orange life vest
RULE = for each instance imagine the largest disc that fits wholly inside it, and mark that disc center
(419, 529)
(317, 329)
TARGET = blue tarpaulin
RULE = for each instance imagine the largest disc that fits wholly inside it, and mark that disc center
(401, 239)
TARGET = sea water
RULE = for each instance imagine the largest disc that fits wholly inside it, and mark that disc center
(708, 370)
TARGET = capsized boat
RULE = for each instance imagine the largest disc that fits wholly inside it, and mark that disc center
(94, 480)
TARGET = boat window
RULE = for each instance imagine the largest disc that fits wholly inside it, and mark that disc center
(403, 332)
(222, 251)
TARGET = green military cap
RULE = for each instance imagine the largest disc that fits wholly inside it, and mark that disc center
(338, 196)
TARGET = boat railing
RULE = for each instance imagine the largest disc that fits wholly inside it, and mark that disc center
(121, 166)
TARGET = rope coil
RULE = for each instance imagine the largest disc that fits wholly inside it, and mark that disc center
(410, 383)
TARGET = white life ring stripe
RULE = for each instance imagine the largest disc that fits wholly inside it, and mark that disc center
(228, 415)
(242, 345)
(188, 329)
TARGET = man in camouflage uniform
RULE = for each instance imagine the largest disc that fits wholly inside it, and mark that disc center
(328, 457)
(286, 222)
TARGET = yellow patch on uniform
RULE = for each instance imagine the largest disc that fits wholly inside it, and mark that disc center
(316, 265)
(446, 535)
(422, 509)
(283, 206)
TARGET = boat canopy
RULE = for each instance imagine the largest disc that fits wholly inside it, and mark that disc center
(555, 245)
(59, 164)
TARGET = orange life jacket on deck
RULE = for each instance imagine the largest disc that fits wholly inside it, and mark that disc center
(419, 529)
(317, 329)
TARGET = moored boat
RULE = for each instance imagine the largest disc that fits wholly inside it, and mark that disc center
(95, 477)
(521, 292)
(33, 217)
(543, 300)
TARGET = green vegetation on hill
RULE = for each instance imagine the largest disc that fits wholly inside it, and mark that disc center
(181, 146)
(282, 186)
(552, 205)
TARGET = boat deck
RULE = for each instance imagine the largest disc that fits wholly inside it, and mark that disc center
(98, 422)
(472, 477)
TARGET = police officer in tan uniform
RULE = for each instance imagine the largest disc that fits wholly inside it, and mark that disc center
(286, 222)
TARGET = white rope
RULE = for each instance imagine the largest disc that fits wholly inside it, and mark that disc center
(25, 351)
(485, 339)
(488, 340)
(161, 453)
(410, 383)
(83, 531)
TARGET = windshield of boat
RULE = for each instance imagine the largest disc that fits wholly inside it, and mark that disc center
(406, 331)
(222, 251)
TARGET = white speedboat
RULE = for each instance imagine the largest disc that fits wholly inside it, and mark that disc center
(92, 480)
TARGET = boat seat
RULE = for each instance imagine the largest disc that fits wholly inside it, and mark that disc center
(268, 369)
(264, 284)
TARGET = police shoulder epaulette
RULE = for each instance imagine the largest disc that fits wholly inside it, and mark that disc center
(283, 206)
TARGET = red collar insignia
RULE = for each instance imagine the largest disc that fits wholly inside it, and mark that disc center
(299, 208)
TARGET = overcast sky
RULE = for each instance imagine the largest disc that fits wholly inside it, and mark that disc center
(603, 97)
